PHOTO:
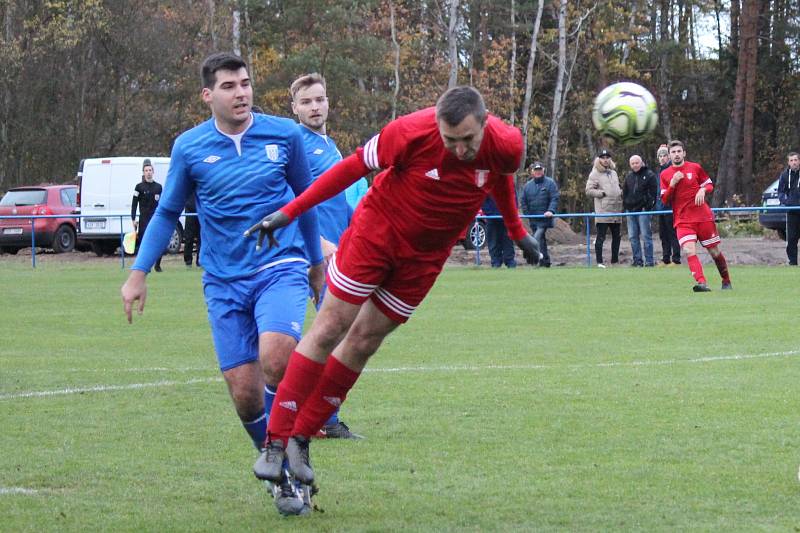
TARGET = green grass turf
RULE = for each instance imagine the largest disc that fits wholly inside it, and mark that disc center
(561, 399)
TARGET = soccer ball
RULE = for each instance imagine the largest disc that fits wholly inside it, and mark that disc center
(625, 112)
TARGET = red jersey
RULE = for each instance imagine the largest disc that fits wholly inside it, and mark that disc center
(429, 195)
(682, 196)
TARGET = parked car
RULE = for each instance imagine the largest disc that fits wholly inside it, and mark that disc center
(56, 233)
(104, 200)
(772, 219)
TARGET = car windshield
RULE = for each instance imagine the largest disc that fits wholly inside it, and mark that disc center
(25, 197)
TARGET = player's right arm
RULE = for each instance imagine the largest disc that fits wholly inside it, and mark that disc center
(666, 188)
(134, 206)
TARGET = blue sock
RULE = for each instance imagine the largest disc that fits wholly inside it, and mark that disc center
(269, 397)
(257, 429)
(334, 419)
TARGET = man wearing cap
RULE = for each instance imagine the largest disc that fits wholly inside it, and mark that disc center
(540, 197)
(670, 247)
(145, 195)
(603, 186)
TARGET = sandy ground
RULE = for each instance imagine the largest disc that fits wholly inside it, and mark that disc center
(566, 249)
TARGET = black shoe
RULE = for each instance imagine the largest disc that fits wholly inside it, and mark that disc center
(701, 287)
(299, 462)
(726, 286)
(289, 499)
(157, 268)
(269, 465)
(339, 430)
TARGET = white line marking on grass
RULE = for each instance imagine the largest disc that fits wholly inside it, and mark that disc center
(709, 359)
(105, 388)
(460, 368)
(18, 490)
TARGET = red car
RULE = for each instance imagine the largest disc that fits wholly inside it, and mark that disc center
(56, 233)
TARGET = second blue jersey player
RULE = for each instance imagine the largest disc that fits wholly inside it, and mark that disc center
(241, 165)
(310, 105)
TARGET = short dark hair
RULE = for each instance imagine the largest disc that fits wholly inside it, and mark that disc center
(219, 61)
(456, 103)
(676, 142)
(305, 81)
(792, 154)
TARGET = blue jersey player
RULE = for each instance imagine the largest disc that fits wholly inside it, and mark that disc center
(310, 104)
(241, 165)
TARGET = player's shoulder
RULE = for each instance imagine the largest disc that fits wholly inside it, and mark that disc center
(196, 134)
(275, 126)
(416, 124)
(504, 143)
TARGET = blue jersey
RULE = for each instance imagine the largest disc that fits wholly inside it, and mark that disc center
(235, 187)
(356, 192)
(335, 213)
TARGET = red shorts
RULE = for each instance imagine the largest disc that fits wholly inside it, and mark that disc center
(705, 232)
(373, 262)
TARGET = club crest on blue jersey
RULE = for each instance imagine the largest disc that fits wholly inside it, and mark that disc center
(272, 151)
(480, 177)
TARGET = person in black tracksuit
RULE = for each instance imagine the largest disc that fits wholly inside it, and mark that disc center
(789, 195)
(501, 247)
(670, 247)
(191, 232)
(145, 196)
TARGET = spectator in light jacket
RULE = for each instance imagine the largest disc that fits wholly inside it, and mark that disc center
(540, 197)
(603, 186)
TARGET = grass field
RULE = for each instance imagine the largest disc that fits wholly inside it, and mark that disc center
(562, 399)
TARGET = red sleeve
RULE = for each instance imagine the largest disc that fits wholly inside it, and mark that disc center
(329, 184)
(503, 194)
(704, 180)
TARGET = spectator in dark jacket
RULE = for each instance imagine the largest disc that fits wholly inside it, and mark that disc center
(639, 194)
(501, 247)
(540, 197)
(670, 247)
(789, 194)
(191, 232)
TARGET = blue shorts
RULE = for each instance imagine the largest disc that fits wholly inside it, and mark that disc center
(273, 300)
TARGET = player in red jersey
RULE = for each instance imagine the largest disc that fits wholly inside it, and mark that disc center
(439, 165)
(685, 184)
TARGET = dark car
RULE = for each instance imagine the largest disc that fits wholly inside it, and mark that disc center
(56, 233)
(772, 219)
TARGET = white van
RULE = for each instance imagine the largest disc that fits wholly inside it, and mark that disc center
(105, 192)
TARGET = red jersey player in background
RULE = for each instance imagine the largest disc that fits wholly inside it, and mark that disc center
(684, 185)
(439, 164)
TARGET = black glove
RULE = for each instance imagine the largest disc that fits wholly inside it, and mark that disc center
(530, 249)
(267, 227)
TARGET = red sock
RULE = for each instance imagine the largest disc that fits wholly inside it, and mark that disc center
(722, 266)
(330, 393)
(300, 379)
(696, 267)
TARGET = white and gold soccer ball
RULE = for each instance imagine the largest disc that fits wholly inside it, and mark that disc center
(626, 112)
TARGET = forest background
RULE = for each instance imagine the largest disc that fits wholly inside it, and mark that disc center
(95, 78)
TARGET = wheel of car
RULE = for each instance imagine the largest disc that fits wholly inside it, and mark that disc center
(64, 239)
(477, 235)
(175, 241)
(8, 250)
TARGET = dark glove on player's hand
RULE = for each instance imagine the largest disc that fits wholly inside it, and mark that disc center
(267, 227)
(530, 249)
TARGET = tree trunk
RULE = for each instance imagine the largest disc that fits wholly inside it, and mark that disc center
(512, 74)
(526, 105)
(746, 184)
(396, 47)
(453, 44)
(212, 8)
(236, 36)
(664, 77)
(558, 92)
(728, 173)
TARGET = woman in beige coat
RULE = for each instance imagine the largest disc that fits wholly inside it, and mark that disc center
(603, 186)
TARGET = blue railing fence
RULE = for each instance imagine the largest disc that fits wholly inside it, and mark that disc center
(76, 216)
(587, 218)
